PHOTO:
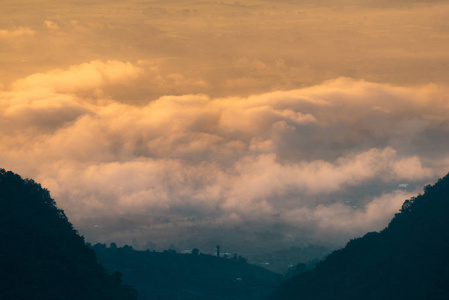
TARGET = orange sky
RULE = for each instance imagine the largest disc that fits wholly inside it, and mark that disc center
(147, 118)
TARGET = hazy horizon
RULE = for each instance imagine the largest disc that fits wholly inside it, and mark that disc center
(253, 124)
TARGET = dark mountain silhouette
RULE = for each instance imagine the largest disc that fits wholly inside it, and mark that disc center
(407, 260)
(41, 255)
(173, 276)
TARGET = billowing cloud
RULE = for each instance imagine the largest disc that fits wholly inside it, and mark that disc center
(310, 158)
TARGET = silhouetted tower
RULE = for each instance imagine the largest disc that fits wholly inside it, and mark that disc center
(218, 250)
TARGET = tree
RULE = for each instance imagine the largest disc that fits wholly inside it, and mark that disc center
(41, 255)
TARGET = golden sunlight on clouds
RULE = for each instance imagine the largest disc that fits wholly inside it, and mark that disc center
(19, 32)
(223, 49)
(237, 158)
(86, 76)
(210, 114)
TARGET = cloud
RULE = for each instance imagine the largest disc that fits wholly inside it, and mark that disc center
(337, 219)
(147, 119)
(15, 33)
(322, 159)
(51, 25)
(87, 76)
(41, 109)
(242, 53)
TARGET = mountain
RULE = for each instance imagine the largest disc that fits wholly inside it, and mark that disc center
(41, 254)
(407, 260)
(174, 276)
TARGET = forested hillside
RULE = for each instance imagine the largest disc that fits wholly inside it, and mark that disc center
(41, 255)
(407, 260)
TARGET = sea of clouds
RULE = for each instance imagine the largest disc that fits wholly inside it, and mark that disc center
(331, 158)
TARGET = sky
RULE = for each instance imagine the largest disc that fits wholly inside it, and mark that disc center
(253, 124)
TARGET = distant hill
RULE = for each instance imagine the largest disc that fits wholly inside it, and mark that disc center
(284, 261)
(407, 260)
(172, 276)
(41, 255)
